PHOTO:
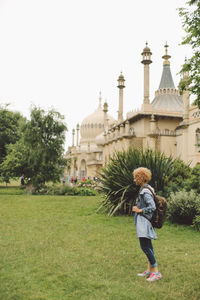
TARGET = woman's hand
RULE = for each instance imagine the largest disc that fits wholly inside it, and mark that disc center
(136, 209)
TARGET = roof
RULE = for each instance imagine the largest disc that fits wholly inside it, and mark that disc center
(166, 79)
(167, 98)
(168, 102)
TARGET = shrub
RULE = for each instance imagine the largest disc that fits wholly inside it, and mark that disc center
(88, 183)
(117, 179)
(183, 206)
(85, 191)
(193, 182)
(176, 180)
(66, 190)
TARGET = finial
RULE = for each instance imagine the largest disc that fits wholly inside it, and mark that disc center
(121, 76)
(146, 44)
(166, 56)
(166, 46)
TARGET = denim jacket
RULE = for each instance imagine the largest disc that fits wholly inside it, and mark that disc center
(145, 201)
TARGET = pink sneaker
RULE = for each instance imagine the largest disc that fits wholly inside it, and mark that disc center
(144, 274)
(154, 276)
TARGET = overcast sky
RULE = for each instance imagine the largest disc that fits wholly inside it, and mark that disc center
(61, 53)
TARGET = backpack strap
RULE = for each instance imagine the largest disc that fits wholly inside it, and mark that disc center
(147, 187)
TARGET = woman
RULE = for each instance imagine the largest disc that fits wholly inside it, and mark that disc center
(145, 206)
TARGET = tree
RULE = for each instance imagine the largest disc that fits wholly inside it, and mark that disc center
(16, 161)
(191, 24)
(39, 154)
(10, 129)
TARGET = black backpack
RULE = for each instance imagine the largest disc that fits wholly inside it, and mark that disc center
(159, 214)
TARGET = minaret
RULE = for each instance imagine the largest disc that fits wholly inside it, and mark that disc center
(100, 99)
(121, 86)
(73, 133)
(146, 61)
(77, 130)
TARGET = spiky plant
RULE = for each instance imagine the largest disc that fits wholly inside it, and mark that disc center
(117, 177)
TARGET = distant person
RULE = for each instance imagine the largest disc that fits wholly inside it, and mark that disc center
(145, 206)
(22, 179)
(75, 180)
(63, 180)
(83, 179)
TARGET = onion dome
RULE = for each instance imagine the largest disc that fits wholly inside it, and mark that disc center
(167, 97)
(93, 125)
(121, 76)
(146, 49)
(100, 139)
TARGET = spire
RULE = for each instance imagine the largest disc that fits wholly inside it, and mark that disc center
(166, 79)
(100, 100)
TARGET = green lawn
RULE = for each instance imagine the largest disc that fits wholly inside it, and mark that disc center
(57, 247)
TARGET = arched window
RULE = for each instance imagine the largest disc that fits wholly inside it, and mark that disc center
(198, 139)
(83, 168)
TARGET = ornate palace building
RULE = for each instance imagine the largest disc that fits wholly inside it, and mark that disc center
(168, 124)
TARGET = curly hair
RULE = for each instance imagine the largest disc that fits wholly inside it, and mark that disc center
(143, 174)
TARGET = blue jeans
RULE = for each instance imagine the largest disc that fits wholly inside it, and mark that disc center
(147, 248)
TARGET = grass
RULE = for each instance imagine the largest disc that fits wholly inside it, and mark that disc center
(12, 188)
(13, 182)
(57, 247)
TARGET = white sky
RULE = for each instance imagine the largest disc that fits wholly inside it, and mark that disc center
(61, 53)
